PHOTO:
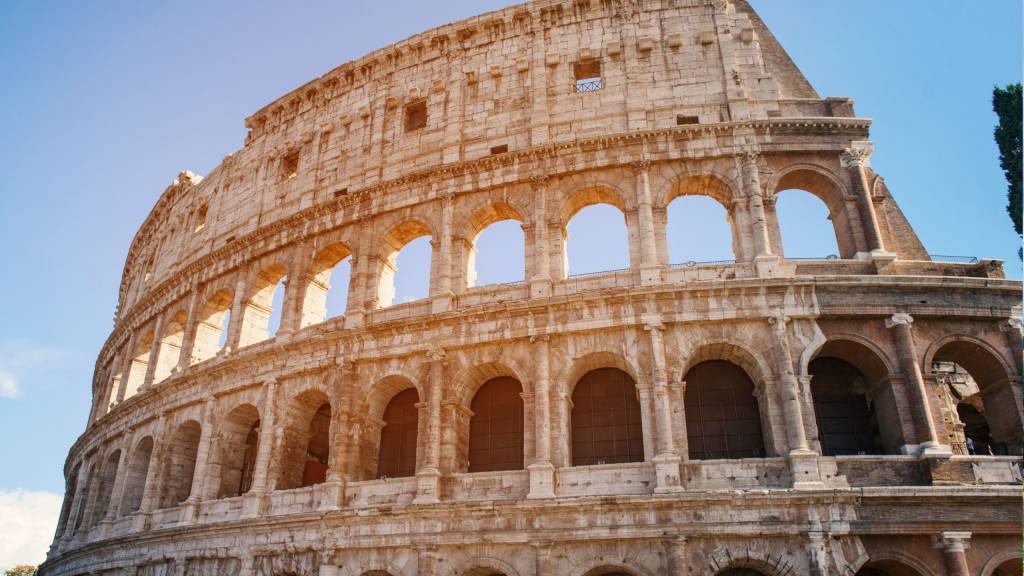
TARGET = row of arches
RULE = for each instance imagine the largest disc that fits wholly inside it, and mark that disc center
(325, 292)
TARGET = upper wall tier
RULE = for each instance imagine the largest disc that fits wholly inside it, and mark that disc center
(528, 77)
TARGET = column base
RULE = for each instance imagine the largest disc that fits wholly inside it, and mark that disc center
(428, 486)
(767, 265)
(190, 512)
(103, 527)
(540, 288)
(938, 465)
(332, 495)
(542, 480)
(441, 303)
(353, 319)
(803, 465)
(650, 275)
(140, 522)
(666, 474)
(253, 504)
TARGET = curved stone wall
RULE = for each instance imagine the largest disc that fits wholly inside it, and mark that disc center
(771, 414)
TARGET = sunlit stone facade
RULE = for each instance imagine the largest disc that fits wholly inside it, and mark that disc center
(764, 415)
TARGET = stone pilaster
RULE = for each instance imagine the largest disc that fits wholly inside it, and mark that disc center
(428, 477)
(198, 490)
(188, 338)
(542, 471)
(650, 267)
(540, 282)
(803, 461)
(900, 324)
(666, 461)
(441, 288)
(953, 545)
(253, 503)
(855, 160)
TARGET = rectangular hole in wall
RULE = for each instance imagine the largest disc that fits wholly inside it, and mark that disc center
(416, 116)
(290, 165)
(341, 192)
(501, 149)
(684, 120)
(587, 74)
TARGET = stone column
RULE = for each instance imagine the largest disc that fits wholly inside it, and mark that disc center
(154, 354)
(677, 556)
(855, 159)
(337, 457)
(678, 390)
(295, 292)
(188, 339)
(1015, 340)
(116, 491)
(666, 461)
(542, 471)
(197, 492)
(924, 421)
(755, 204)
(540, 283)
(953, 546)
(428, 477)
(235, 322)
(151, 492)
(441, 290)
(427, 559)
(803, 461)
(126, 365)
(650, 268)
(252, 505)
(741, 231)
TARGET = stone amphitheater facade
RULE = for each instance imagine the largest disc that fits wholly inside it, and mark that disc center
(766, 415)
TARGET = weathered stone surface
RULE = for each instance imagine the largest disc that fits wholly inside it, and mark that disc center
(278, 455)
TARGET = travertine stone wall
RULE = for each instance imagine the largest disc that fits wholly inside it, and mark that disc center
(197, 456)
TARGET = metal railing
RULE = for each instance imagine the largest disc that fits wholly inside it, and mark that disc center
(582, 274)
(954, 259)
(829, 257)
(693, 263)
(588, 85)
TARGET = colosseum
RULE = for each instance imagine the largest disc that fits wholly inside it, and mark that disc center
(858, 414)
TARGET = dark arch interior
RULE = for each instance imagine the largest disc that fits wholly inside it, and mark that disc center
(606, 424)
(722, 418)
(846, 418)
(743, 571)
(496, 428)
(318, 448)
(397, 457)
(886, 568)
(1012, 567)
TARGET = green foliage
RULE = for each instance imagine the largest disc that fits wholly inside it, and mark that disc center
(1007, 105)
(21, 570)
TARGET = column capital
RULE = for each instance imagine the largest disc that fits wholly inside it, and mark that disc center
(857, 155)
(899, 319)
(953, 540)
(1010, 324)
(749, 157)
(435, 353)
(534, 338)
(539, 181)
(778, 320)
(654, 325)
(640, 166)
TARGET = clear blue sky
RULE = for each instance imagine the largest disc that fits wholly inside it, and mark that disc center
(104, 103)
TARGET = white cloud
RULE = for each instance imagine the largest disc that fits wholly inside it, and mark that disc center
(8, 385)
(29, 520)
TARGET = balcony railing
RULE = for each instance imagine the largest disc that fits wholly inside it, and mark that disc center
(588, 85)
(954, 259)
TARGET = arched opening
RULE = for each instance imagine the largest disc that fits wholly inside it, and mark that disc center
(607, 571)
(307, 441)
(135, 477)
(805, 225)
(239, 437)
(408, 248)
(170, 346)
(595, 235)
(854, 401)
(212, 328)
(699, 230)
(741, 571)
(139, 365)
(606, 424)
(722, 416)
(843, 410)
(262, 316)
(886, 568)
(1011, 567)
(988, 390)
(106, 487)
(977, 434)
(327, 290)
(496, 255)
(180, 464)
(496, 427)
(398, 437)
